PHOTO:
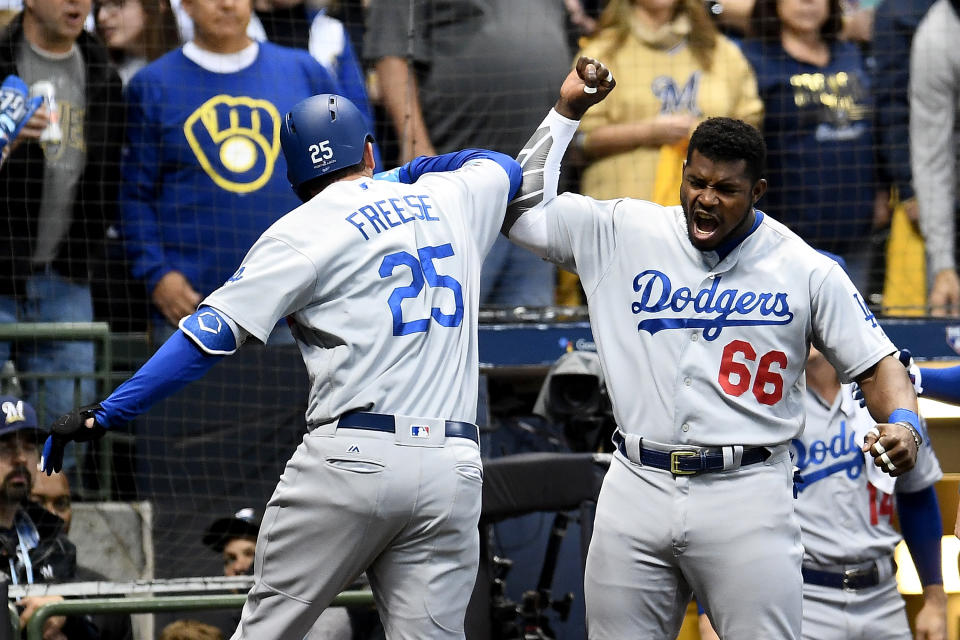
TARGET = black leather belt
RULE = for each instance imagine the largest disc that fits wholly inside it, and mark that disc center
(385, 422)
(850, 579)
(687, 462)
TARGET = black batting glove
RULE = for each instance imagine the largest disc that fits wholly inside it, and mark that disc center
(69, 427)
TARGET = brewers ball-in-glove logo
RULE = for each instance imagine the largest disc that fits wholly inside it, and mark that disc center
(236, 140)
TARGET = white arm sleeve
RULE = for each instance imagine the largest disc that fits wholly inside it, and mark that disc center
(525, 222)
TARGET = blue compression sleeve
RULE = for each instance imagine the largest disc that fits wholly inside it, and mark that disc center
(941, 384)
(175, 364)
(922, 529)
(411, 172)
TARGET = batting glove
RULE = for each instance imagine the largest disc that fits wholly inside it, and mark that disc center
(15, 108)
(913, 371)
(70, 427)
(906, 359)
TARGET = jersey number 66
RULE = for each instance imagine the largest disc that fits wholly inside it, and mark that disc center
(735, 376)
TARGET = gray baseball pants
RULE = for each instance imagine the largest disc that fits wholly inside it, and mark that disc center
(358, 500)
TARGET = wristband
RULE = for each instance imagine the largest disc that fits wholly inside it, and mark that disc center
(910, 420)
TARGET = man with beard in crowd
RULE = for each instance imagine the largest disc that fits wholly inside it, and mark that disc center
(33, 542)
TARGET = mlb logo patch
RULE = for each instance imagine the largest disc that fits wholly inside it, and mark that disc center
(953, 338)
(419, 431)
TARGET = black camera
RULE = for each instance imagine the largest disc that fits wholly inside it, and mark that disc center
(579, 403)
(573, 394)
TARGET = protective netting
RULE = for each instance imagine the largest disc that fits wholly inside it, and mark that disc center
(161, 165)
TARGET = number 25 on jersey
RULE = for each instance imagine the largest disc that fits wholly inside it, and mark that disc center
(424, 273)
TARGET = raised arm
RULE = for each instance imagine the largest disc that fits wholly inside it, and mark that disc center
(400, 95)
(588, 83)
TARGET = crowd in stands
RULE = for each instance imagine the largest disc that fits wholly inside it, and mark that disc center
(167, 164)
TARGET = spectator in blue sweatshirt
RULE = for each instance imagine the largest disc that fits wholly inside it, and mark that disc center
(203, 176)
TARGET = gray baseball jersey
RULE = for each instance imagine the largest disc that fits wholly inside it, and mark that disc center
(845, 508)
(697, 349)
(379, 283)
(677, 327)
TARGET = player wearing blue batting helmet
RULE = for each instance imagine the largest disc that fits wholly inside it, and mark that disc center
(321, 135)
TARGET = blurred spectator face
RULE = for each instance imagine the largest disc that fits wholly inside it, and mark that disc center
(655, 6)
(218, 21)
(120, 23)
(18, 454)
(803, 16)
(53, 493)
(238, 556)
(54, 23)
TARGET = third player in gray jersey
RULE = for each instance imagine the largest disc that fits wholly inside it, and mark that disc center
(702, 316)
(845, 508)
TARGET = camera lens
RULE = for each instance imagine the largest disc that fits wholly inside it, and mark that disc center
(574, 393)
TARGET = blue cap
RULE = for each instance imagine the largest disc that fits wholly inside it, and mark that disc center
(17, 415)
(243, 524)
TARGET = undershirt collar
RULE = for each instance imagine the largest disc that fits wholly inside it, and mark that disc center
(222, 62)
(727, 247)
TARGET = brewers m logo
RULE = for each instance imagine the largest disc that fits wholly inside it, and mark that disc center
(236, 140)
(676, 99)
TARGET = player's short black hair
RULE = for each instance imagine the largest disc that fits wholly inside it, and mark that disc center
(312, 187)
(729, 140)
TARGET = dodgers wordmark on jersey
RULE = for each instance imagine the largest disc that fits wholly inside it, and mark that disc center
(733, 321)
(365, 269)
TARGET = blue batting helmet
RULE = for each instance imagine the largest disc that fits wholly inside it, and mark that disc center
(320, 135)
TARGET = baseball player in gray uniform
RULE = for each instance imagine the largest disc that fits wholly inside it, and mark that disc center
(845, 508)
(379, 281)
(703, 314)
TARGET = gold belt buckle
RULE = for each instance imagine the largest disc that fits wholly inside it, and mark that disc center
(675, 462)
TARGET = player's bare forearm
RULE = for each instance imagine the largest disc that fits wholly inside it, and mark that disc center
(886, 387)
(401, 98)
(888, 392)
(931, 620)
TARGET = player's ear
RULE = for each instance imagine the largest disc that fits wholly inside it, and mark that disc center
(759, 188)
(368, 158)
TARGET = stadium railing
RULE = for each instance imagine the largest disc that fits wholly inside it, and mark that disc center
(192, 594)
